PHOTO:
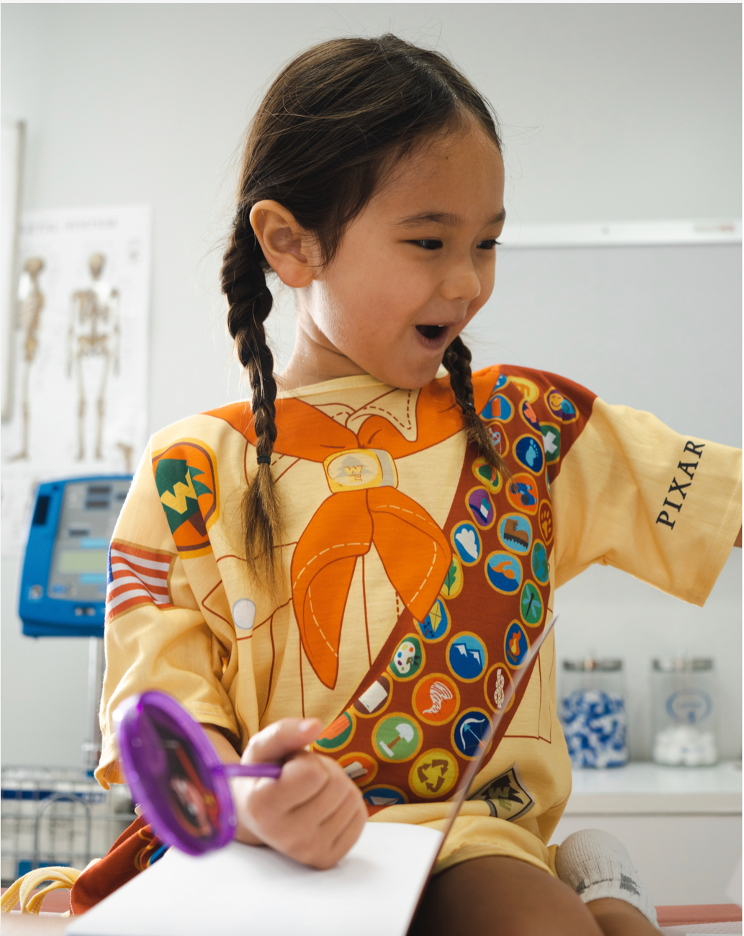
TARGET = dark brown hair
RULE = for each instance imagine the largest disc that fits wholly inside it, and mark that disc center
(337, 119)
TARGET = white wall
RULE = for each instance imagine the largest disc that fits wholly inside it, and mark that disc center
(609, 111)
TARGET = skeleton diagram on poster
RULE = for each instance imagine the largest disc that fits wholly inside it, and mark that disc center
(78, 353)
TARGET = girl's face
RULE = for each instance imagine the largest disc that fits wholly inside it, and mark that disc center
(411, 271)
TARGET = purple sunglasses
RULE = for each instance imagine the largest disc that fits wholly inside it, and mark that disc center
(176, 775)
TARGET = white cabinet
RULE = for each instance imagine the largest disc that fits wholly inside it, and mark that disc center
(681, 826)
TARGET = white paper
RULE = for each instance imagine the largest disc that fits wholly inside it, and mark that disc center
(240, 889)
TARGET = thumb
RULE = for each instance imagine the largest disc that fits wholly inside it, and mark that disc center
(282, 739)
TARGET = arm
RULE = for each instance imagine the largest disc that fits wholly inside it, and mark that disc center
(314, 813)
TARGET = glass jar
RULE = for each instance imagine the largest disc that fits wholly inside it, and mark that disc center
(683, 695)
(592, 712)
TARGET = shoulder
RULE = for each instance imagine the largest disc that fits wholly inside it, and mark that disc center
(215, 428)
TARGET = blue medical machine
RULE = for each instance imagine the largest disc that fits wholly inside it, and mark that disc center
(63, 584)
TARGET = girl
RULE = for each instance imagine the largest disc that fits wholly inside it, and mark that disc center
(359, 560)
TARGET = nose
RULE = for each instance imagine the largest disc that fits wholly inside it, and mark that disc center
(462, 282)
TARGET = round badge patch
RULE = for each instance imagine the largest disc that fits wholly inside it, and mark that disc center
(531, 605)
(487, 475)
(467, 543)
(515, 533)
(436, 624)
(499, 438)
(397, 737)
(408, 658)
(498, 407)
(529, 454)
(504, 572)
(522, 494)
(453, 580)
(551, 442)
(433, 774)
(545, 521)
(361, 768)
(381, 796)
(528, 388)
(436, 699)
(529, 415)
(496, 685)
(481, 507)
(516, 645)
(375, 699)
(338, 734)
(561, 407)
(469, 730)
(540, 568)
(467, 657)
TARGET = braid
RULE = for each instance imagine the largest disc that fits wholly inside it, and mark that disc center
(457, 359)
(250, 301)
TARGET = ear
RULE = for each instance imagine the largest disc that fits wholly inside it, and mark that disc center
(288, 248)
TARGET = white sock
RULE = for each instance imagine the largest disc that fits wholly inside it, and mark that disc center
(596, 864)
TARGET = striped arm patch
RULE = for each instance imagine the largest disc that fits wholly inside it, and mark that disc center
(137, 576)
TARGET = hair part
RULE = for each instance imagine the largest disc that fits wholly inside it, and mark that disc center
(332, 127)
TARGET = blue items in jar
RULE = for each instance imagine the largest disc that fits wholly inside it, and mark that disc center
(593, 715)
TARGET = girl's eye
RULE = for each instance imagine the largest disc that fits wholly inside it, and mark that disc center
(489, 244)
(428, 244)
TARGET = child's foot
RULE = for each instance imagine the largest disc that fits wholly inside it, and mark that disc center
(596, 864)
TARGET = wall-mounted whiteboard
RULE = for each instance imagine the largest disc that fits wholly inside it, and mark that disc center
(642, 320)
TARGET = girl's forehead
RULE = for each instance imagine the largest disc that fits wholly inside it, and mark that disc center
(450, 172)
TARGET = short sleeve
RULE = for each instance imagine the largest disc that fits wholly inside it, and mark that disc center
(628, 491)
(155, 634)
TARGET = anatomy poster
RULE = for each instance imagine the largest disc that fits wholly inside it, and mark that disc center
(78, 353)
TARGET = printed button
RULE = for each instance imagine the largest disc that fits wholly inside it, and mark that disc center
(529, 415)
(499, 438)
(433, 774)
(521, 492)
(561, 407)
(516, 645)
(540, 567)
(361, 768)
(481, 507)
(515, 533)
(397, 737)
(436, 699)
(531, 605)
(529, 454)
(467, 543)
(504, 572)
(467, 657)
(545, 521)
(453, 580)
(436, 624)
(408, 658)
(338, 734)
(496, 685)
(551, 442)
(487, 475)
(469, 730)
(381, 796)
(498, 407)
(528, 388)
(373, 700)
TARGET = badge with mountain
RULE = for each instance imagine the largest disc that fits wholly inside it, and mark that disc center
(188, 494)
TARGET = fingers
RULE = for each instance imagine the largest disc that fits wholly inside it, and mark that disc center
(281, 739)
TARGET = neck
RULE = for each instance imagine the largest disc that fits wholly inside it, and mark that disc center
(314, 359)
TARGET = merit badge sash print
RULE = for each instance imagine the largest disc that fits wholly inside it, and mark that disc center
(416, 722)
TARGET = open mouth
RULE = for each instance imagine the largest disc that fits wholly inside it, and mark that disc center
(432, 332)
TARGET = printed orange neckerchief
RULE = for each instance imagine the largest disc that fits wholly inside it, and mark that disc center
(412, 548)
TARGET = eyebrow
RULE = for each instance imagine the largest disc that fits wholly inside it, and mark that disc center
(446, 218)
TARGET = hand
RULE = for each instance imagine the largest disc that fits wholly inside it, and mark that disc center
(314, 813)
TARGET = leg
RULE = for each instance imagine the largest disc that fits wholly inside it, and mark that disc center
(619, 918)
(496, 896)
(101, 406)
(81, 405)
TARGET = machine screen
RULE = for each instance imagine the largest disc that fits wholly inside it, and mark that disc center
(86, 524)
